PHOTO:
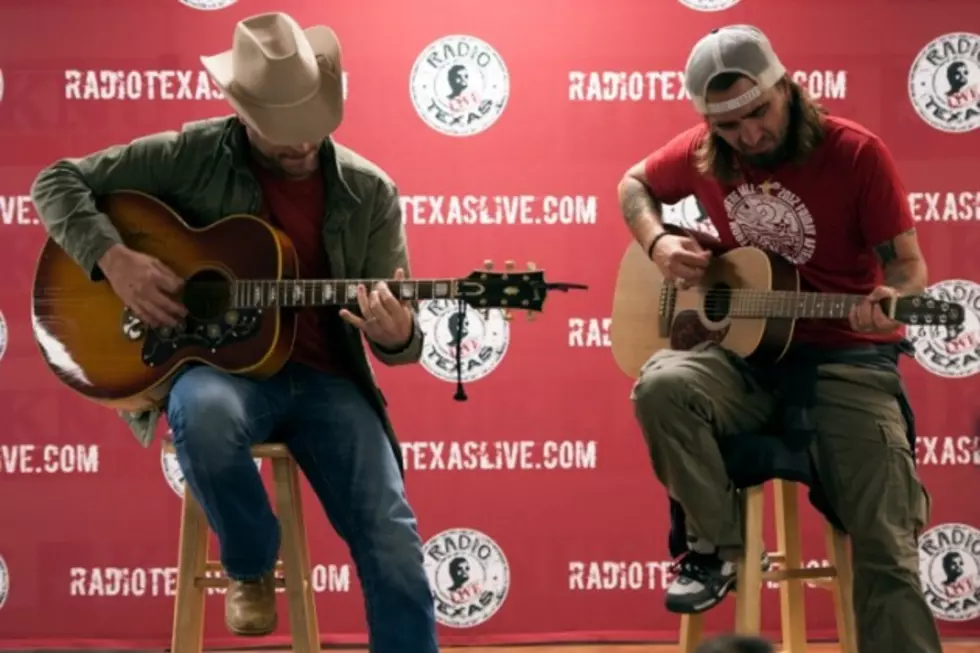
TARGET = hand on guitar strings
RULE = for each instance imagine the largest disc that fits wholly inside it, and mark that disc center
(681, 259)
(868, 317)
(145, 285)
(384, 319)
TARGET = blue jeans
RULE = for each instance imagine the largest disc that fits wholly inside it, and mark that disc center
(339, 442)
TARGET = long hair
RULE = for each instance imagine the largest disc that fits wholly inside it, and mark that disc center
(715, 158)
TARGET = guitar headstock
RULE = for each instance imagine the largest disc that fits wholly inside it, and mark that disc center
(924, 310)
(511, 289)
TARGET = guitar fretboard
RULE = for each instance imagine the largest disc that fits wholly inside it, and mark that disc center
(786, 304)
(326, 292)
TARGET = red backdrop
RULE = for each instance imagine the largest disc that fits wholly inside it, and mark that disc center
(544, 464)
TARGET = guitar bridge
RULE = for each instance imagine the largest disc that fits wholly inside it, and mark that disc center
(233, 327)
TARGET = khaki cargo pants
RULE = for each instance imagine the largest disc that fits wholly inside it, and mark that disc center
(685, 400)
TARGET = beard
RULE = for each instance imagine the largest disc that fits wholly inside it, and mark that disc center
(768, 160)
(778, 154)
(285, 166)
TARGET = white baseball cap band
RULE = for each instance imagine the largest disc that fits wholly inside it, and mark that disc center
(713, 108)
(762, 84)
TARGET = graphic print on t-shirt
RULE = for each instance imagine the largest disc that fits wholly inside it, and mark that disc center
(773, 218)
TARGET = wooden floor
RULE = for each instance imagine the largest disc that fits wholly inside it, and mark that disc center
(949, 647)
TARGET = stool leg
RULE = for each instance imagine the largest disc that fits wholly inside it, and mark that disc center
(791, 599)
(748, 602)
(690, 632)
(295, 558)
(192, 557)
(843, 589)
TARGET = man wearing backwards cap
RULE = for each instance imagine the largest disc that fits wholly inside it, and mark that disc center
(774, 171)
(275, 158)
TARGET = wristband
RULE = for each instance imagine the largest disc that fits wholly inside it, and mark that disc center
(654, 243)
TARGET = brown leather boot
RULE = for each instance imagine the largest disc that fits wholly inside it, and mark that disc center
(250, 606)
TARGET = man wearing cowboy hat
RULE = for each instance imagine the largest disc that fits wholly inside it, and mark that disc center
(275, 158)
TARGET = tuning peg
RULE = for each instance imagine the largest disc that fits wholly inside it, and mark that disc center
(509, 265)
(508, 315)
(531, 266)
(488, 264)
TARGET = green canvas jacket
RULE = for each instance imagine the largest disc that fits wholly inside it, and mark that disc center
(202, 172)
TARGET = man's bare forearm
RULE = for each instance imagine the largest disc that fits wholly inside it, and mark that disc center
(905, 269)
(908, 277)
(641, 210)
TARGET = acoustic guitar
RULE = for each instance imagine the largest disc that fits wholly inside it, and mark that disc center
(241, 290)
(748, 301)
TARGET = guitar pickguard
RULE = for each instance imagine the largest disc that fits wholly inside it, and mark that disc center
(160, 344)
(688, 330)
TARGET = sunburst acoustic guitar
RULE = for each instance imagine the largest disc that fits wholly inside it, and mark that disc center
(241, 290)
(748, 301)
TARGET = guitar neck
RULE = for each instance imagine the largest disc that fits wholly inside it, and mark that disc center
(333, 292)
(787, 304)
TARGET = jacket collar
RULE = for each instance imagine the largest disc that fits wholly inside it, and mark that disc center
(235, 145)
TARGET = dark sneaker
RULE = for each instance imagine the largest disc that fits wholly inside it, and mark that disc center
(702, 581)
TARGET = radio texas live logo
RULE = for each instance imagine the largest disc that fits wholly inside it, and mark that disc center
(480, 336)
(951, 352)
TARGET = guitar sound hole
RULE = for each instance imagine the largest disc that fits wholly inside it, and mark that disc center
(207, 295)
(717, 302)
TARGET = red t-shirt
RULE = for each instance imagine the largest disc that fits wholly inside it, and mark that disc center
(297, 206)
(825, 216)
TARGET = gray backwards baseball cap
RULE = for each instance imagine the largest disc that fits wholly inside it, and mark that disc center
(741, 49)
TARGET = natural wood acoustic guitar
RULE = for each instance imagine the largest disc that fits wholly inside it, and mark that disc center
(241, 290)
(748, 301)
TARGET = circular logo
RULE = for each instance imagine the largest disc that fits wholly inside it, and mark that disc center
(4, 581)
(952, 352)
(3, 336)
(482, 338)
(709, 5)
(208, 5)
(468, 574)
(944, 83)
(689, 214)
(174, 474)
(771, 217)
(949, 567)
(459, 85)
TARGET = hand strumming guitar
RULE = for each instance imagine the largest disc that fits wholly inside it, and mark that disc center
(145, 285)
(680, 258)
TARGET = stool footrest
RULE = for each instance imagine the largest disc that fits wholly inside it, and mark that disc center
(269, 450)
(222, 583)
(807, 573)
(215, 569)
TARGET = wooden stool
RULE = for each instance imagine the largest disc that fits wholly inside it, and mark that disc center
(790, 574)
(292, 571)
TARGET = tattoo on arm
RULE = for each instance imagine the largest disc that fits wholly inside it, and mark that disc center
(887, 252)
(902, 271)
(636, 202)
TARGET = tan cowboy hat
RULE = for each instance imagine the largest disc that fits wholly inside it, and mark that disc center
(284, 81)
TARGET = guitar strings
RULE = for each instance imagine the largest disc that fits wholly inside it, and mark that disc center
(713, 298)
(237, 286)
